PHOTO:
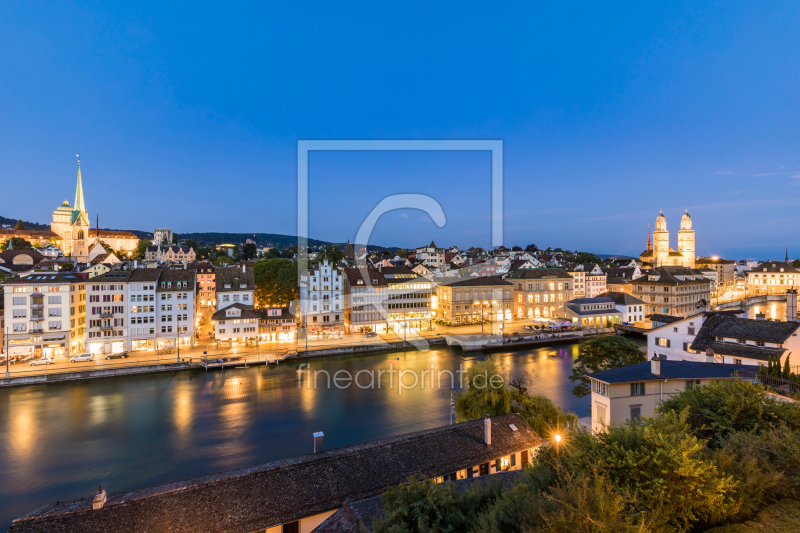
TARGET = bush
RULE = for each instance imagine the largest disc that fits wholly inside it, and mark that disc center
(719, 409)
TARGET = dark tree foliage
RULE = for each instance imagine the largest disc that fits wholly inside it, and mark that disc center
(602, 354)
(276, 282)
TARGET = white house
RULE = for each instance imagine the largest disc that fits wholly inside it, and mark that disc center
(321, 298)
(45, 315)
(234, 285)
(632, 308)
(723, 337)
(175, 308)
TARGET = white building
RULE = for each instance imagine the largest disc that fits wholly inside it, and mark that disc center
(51, 251)
(321, 299)
(632, 308)
(162, 234)
(590, 280)
(234, 285)
(431, 255)
(723, 337)
(107, 313)
(175, 299)
(142, 314)
(45, 315)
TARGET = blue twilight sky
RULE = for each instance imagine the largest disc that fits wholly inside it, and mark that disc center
(187, 116)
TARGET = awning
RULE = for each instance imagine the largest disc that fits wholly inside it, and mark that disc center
(52, 337)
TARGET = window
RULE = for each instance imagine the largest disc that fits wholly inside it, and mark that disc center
(599, 387)
(692, 383)
(20, 326)
(636, 414)
(19, 300)
(54, 311)
(691, 330)
(600, 413)
(664, 343)
(737, 361)
(20, 313)
(637, 389)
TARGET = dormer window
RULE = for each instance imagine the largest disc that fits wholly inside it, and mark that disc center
(227, 285)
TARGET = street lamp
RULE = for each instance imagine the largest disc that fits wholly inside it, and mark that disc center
(557, 438)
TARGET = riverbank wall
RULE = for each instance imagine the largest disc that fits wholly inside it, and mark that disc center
(57, 377)
(365, 348)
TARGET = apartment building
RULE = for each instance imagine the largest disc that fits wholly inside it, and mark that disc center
(234, 285)
(142, 309)
(107, 313)
(631, 308)
(45, 315)
(432, 256)
(277, 324)
(206, 285)
(408, 299)
(725, 268)
(175, 305)
(467, 300)
(365, 297)
(772, 277)
(673, 290)
(235, 321)
(322, 299)
(541, 292)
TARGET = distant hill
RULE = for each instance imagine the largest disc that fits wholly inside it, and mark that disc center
(265, 239)
(28, 225)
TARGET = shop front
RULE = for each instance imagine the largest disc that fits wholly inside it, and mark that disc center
(142, 345)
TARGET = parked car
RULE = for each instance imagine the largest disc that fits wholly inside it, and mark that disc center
(370, 334)
(121, 355)
(42, 361)
(81, 357)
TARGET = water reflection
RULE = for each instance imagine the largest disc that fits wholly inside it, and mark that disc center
(62, 440)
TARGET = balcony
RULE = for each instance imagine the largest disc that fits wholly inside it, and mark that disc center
(37, 306)
(106, 315)
(37, 318)
(106, 327)
(37, 331)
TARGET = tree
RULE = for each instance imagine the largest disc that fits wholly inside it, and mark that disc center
(602, 354)
(402, 253)
(19, 225)
(290, 252)
(787, 369)
(18, 242)
(721, 408)
(531, 248)
(273, 253)
(331, 253)
(587, 257)
(174, 238)
(548, 250)
(249, 251)
(485, 392)
(141, 248)
(796, 263)
(191, 243)
(516, 249)
(106, 247)
(276, 282)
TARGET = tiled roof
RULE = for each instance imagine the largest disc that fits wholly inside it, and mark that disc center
(8, 256)
(667, 274)
(539, 273)
(44, 277)
(234, 277)
(354, 276)
(175, 275)
(731, 327)
(247, 311)
(145, 274)
(774, 267)
(286, 313)
(480, 281)
(266, 495)
(621, 298)
(670, 370)
(114, 275)
(665, 319)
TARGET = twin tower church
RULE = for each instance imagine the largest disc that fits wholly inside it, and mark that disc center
(660, 254)
(77, 237)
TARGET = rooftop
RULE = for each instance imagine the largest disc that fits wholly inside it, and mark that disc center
(670, 370)
(266, 495)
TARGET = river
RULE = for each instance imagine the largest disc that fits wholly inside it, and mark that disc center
(60, 441)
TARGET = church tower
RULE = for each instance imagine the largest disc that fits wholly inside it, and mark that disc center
(686, 241)
(660, 241)
(79, 223)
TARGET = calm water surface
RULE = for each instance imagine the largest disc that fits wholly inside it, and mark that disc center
(61, 441)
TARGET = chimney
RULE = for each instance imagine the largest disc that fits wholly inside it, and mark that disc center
(243, 267)
(99, 499)
(655, 366)
(762, 316)
(791, 305)
(318, 441)
(487, 431)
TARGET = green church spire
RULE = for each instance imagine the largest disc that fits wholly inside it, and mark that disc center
(79, 205)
